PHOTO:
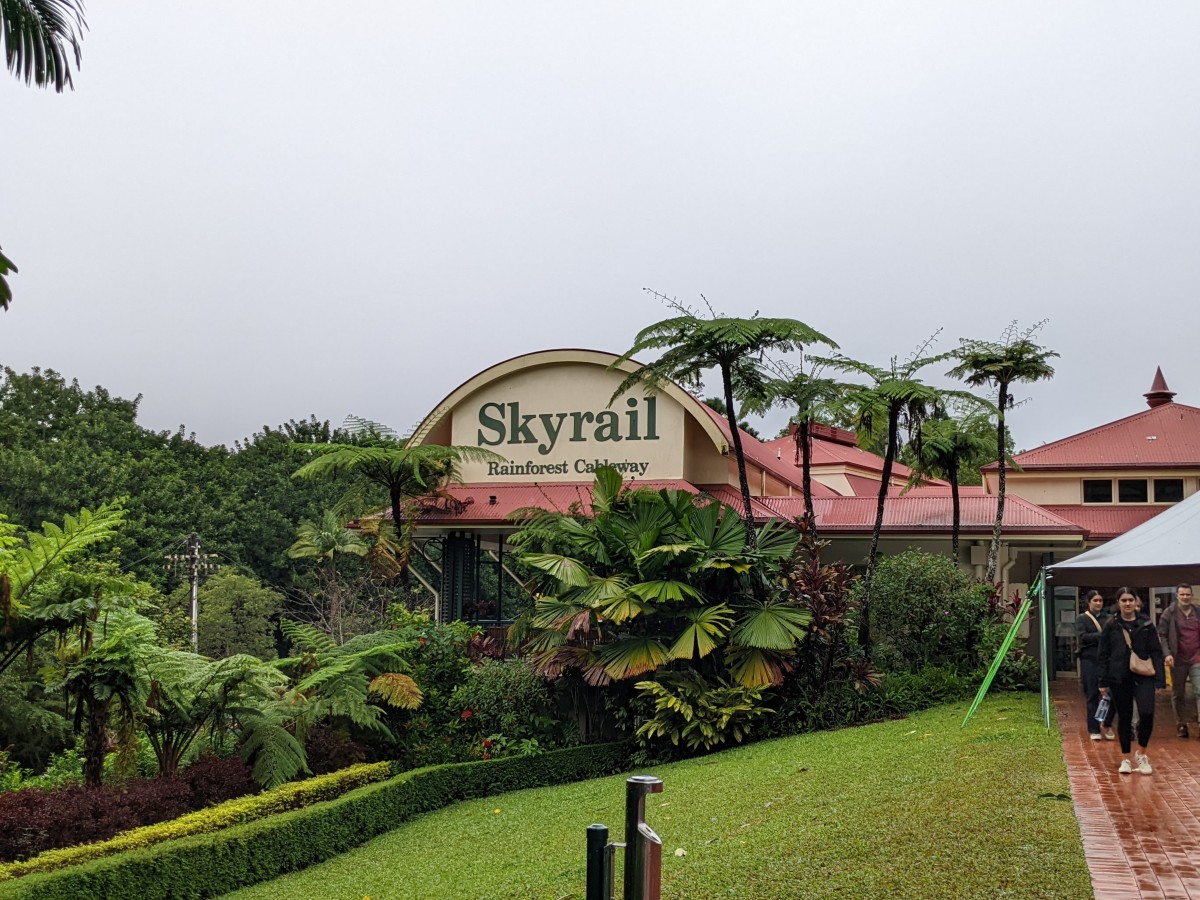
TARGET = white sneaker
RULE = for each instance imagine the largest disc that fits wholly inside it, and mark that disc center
(1095, 736)
(1109, 734)
(1143, 762)
(1125, 768)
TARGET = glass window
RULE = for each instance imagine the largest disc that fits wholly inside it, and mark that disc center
(1168, 490)
(1132, 490)
(1096, 491)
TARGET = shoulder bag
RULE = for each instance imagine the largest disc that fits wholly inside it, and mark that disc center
(1138, 665)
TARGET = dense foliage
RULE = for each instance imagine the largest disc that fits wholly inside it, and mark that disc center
(927, 612)
(36, 819)
(63, 447)
(213, 864)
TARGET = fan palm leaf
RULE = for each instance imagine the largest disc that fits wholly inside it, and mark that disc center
(770, 626)
(630, 656)
(753, 667)
(705, 629)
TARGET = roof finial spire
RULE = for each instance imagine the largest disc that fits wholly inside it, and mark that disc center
(1159, 392)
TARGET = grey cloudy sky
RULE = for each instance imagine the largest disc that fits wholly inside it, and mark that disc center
(253, 211)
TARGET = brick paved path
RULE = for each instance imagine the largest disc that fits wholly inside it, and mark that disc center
(1141, 833)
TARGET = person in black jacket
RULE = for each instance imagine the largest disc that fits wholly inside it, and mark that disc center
(1124, 634)
(1088, 626)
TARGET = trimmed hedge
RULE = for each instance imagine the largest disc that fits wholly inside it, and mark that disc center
(286, 797)
(214, 864)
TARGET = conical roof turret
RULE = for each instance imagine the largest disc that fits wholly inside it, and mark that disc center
(1159, 393)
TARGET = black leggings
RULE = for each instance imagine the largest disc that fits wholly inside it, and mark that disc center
(1125, 692)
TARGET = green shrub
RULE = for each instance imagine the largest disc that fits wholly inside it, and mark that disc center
(926, 611)
(232, 812)
(506, 698)
(699, 714)
(1019, 671)
(843, 704)
(213, 864)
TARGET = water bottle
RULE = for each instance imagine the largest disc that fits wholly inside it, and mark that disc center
(1102, 709)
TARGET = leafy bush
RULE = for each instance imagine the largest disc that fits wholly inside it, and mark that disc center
(926, 611)
(37, 819)
(843, 704)
(244, 809)
(1019, 671)
(330, 750)
(699, 714)
(439, 664)
(214, 864)
(508, 700)
(10, 773)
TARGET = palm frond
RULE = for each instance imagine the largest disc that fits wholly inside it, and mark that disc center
(770, 626)
(397, 690)
(632, 656)
(567, 571)
(306, 636)
(40, 37)
(664, 591)
(705, 629)
(754, 667)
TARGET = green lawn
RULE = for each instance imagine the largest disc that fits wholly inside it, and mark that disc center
(910, 808)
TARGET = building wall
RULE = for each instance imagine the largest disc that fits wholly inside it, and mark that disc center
(1045, 488)
(554, 423)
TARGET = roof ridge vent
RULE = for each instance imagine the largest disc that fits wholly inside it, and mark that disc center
(1159, 392)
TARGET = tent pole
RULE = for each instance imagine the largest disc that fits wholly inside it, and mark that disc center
(1045, 636)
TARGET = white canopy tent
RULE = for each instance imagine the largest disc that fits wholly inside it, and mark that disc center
(1161, 552)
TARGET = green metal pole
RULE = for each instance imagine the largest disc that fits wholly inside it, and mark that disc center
(1005, 646)
(1047, 614)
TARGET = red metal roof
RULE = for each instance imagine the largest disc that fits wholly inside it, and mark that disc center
(1104, 523)
(732, 496)
(925, 513)
(1163, 437)
(769, 456)
(473, 504)
(835, 453)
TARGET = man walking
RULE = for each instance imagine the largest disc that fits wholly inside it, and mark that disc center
(1179, 634)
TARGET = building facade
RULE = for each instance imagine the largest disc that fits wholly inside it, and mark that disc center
(551, 418)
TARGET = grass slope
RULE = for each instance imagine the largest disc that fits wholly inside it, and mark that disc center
(910, 808)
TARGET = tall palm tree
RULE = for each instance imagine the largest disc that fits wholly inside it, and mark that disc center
(1015, 358)
(40, 36)
(815, 399)
(896, 398)
(734, 347)
(945, 447)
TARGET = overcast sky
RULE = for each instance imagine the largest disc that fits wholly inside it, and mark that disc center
(249, 212)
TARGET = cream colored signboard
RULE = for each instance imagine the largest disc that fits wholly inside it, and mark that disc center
(555, 423)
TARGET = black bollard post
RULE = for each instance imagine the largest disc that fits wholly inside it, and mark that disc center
(599, 874)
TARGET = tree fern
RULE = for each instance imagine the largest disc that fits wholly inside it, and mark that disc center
(25, 566)
(306, 637)
(397, 690)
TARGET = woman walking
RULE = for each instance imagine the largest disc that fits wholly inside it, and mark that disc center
(1131, 666)
(1088, 626)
